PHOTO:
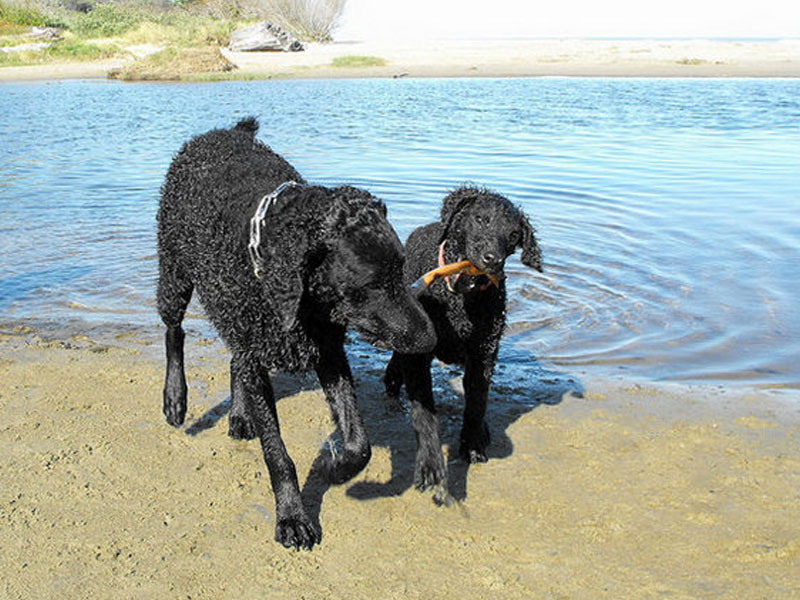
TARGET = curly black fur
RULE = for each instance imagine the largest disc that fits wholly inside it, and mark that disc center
(329, 261)
(485, 228)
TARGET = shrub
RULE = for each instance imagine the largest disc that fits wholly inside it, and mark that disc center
(25, 16)
(313, 20)
(106, 20)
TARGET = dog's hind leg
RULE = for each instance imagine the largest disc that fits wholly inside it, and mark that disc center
(430, 469)
(174, 294)
(334, 374)
(240, 425)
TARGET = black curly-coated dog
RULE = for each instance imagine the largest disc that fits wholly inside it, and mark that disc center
(468, 313)
(281, 291)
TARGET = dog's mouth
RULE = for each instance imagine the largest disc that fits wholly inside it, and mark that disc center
(463, 284)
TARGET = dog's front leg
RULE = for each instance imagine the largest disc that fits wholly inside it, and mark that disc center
(474, 431)
(430, 469)
(336, 379)
(293, 528)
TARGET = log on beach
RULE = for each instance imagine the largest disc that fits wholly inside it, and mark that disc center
(264, 36)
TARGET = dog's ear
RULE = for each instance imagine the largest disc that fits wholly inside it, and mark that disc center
(281, 270)
(453, 204)
(283, 258)
(531, 253)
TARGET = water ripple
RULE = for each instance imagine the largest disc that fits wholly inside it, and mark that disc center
(666, 209)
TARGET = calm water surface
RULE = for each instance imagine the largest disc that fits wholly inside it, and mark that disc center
(668, 210)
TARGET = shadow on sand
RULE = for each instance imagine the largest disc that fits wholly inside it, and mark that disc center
(388, 423)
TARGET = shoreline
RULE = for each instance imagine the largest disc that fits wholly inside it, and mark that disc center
(488, 58)
(640, 490)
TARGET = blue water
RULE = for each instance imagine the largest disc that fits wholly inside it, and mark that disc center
(667, 210)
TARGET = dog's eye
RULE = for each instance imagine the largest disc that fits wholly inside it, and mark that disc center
(513, 238)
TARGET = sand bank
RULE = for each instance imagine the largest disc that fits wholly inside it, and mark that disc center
(498, 58)
(628, 492)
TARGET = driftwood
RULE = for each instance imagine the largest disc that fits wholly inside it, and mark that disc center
(44, 33)
(263, 36)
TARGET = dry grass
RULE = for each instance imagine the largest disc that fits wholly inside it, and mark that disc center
(175, 64)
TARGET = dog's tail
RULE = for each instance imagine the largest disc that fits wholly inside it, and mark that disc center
(248, 124)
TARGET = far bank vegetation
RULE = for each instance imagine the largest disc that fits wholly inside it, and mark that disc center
(83, 30)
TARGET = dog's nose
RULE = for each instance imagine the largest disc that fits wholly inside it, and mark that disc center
(490, 259)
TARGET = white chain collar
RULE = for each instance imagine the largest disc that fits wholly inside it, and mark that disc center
(264, 205)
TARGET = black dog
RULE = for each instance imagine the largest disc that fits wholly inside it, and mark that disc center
(281, 289)
(468, 313)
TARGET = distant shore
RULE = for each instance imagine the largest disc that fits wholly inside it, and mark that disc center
(489, 58)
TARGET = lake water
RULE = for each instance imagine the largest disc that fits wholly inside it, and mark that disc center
(668, 211)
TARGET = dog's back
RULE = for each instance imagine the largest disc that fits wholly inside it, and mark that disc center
(211, 192)
(221, 175)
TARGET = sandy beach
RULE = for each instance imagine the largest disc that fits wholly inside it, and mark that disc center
(626, 492)
(491, 58)
(595, 488)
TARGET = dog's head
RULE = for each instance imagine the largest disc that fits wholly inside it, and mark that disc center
(349, 261)
(485, 228)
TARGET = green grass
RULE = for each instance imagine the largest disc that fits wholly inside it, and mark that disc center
(349, 62)
(691, 61)
(71, 50)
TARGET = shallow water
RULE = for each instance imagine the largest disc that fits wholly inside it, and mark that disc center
(667, 210)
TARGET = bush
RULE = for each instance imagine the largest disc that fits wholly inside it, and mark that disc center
(313, 20)
(24, 16)
(106, 20)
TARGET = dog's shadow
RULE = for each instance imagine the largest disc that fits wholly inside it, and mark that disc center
(516, 390)
(388, 425)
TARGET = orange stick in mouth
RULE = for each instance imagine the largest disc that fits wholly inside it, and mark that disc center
(463, 266)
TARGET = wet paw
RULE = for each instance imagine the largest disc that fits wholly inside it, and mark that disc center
(474, 445)
(430, 470)
(347, 465)
(174, 406)
(241, 428)
(297, 532)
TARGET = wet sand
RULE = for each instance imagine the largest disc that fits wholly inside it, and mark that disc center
(627, 492)
(492, 58)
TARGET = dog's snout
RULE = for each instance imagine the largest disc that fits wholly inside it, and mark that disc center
(490, 259)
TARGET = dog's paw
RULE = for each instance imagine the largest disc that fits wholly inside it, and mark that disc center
(174, 406)
(474, 445)
(297, 532)
(430, 470)
(241, 428)
(347, 465)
